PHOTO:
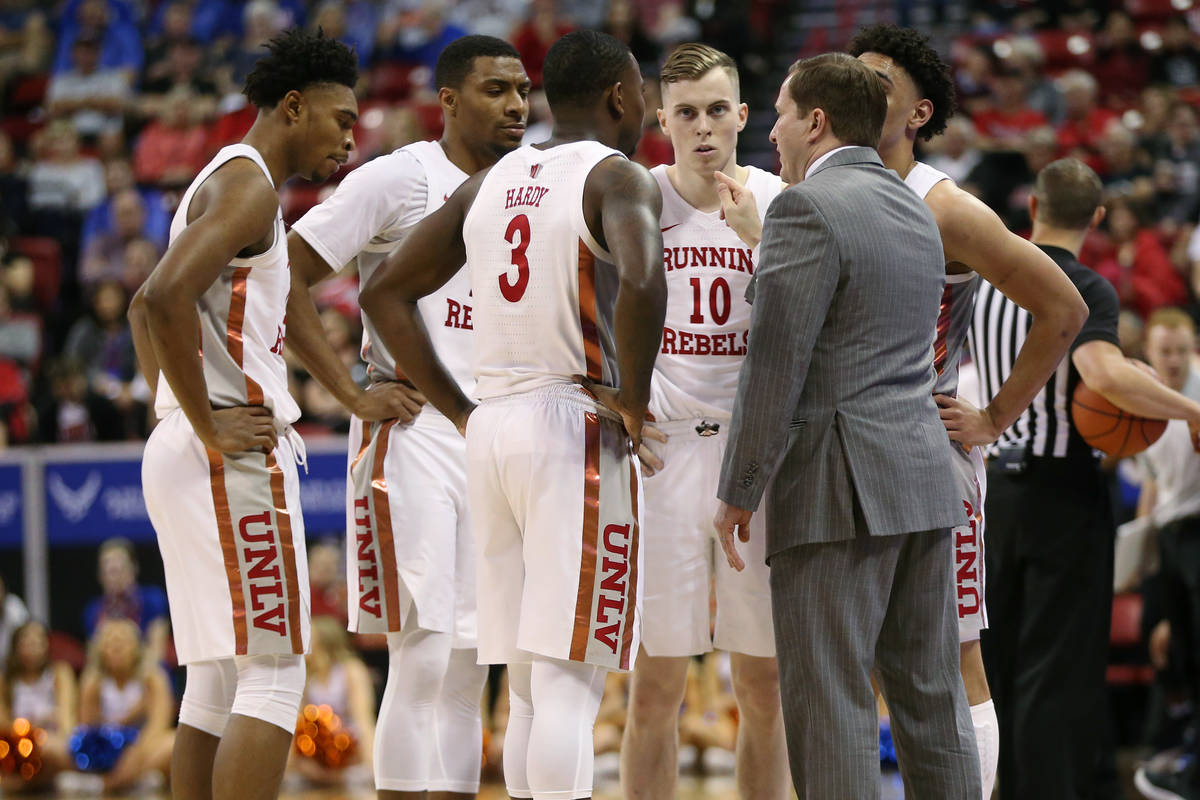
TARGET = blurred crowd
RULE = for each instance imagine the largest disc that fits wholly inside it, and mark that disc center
(109, 108)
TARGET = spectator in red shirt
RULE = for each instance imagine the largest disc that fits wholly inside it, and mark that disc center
(532, 39)
(1003, 125)
(171, 150)
(1122, 64)
(1138, 265)
(1080, 131)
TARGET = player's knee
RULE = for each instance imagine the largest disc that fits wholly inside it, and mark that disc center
(417, 664)
(208, 696)
(269, 688)
(756, 687)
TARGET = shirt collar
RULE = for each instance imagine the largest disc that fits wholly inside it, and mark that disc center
(824, 158)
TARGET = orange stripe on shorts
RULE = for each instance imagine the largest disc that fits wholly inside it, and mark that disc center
(591, 531)
(216, 476)
(383, 524)
(283, 526)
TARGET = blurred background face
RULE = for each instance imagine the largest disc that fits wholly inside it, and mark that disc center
(32, 646)
(129, 214)
(1169, 350)
(324, 564)
(702, 118)
(1122, 222)
(109, 302)
(119, 646)
(116, 571)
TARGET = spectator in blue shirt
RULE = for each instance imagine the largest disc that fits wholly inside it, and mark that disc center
(123, 598)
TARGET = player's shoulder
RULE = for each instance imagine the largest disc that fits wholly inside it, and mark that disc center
(237, 188)
(402, 166)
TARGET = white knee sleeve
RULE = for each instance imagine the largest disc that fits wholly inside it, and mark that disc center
(516, 735)
(566, 699)
(987, 739)
(269, 688)
(404, 744)
(208, 695)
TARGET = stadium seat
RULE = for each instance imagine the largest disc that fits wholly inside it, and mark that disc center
(27, 93)
(47, 266)
(65, 647)
(1125, 638)
(392, 81)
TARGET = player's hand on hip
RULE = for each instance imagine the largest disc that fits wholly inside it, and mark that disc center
(651, 462)
(613, 400)
(728, 520)
(240, 429)
(739, 209)
(389, 401)
(966, 424)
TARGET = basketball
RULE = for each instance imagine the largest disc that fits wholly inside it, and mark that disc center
(1108, 428)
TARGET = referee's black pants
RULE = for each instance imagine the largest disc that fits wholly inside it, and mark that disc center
(1179, 548)
(1049, 561)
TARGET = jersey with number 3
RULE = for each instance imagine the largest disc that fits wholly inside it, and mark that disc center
(708, 319)
(544, 288)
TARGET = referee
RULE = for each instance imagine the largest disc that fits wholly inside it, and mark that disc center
(1049, 523)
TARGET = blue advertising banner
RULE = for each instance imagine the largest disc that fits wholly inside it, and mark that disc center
(89, 500)
(12, 506)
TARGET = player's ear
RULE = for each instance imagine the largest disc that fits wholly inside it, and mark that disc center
(743, 112)
(293, 105)
(449, 100)
(615, 100)
(662, 122)
(921, 114)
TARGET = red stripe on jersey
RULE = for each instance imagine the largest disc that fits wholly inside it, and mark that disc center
(382, 511)
(631, 599)
(283, 525)
(233, 333)
(587, 313)
(233, 573)
(591, 532)
(943, 327)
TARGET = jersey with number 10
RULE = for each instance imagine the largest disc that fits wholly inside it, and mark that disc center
(544, 289)
(708, 319)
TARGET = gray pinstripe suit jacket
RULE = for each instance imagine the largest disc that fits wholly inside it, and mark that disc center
(835, 395)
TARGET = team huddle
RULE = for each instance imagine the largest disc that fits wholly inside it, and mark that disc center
(554, 337)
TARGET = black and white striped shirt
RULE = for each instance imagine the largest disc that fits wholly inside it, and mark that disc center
(998, 332)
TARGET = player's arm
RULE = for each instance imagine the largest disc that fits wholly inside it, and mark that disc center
(430, 254)
(1147, 497)
(972, 234)
(233, 210)
(622, 204)
(143, 347)
(307, 340)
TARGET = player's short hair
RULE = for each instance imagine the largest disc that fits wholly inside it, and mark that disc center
(580, 66)
(1172, 319)
(1068, 193)
(911, 50)
(457, 59)
(296, 60)
(692, 61)
(849, 93)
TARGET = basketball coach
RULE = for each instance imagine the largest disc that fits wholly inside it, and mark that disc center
(835, 404)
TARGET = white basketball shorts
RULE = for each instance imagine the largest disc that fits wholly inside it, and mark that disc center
(555, 493)
(232, 541)
(968, 545)
(409, 532)
(685, 565)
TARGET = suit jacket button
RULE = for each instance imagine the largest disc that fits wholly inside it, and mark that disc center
(747, 482)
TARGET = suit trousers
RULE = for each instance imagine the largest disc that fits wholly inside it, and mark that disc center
(1049, 562)
(843, 609)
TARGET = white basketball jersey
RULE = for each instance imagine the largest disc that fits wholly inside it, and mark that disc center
(241, 318)
(958, 299)
(708, 319)
(372, 210)
(544, 288)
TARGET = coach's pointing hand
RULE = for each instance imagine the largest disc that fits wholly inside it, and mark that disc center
(739, 209)
(727, 519)
(241, 428)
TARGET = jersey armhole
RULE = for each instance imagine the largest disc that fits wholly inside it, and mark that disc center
(585, 233)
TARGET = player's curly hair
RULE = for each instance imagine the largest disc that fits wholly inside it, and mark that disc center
(297, 59)
(929, 72)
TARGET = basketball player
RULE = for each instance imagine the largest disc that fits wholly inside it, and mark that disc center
(219, 471)
(920, 96)
(707, 270)
(564, 251)
(411, 571)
